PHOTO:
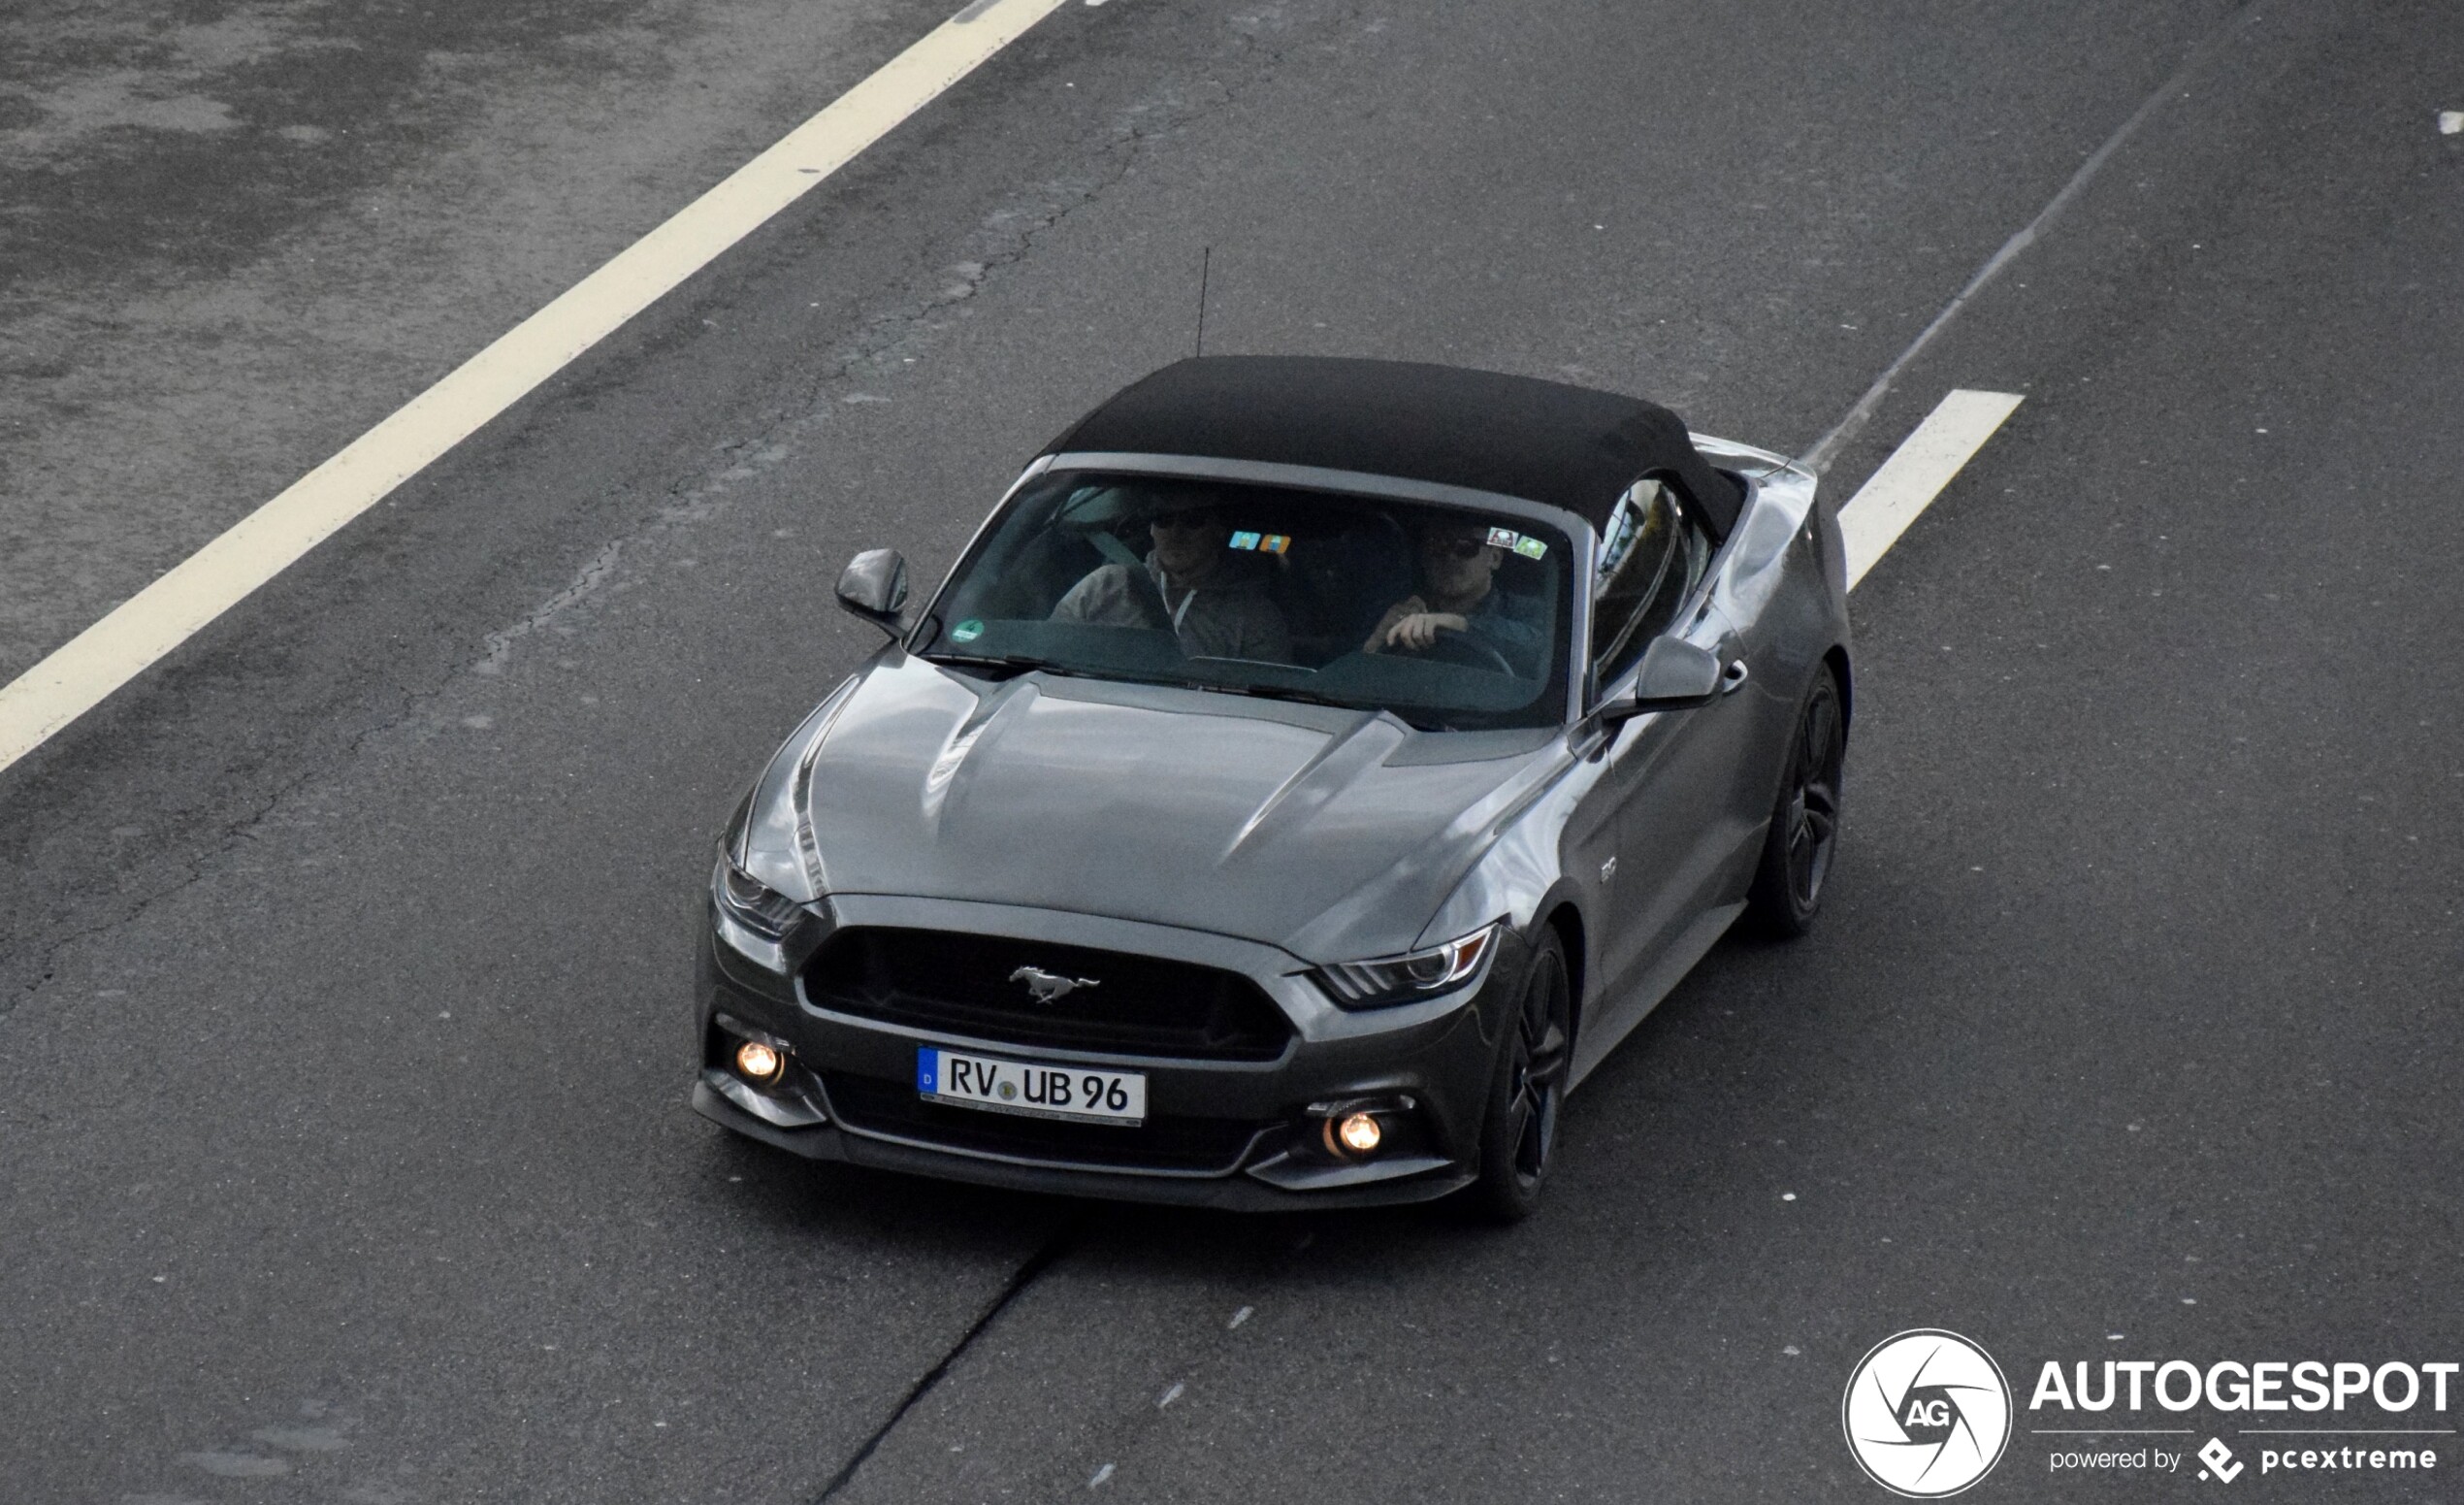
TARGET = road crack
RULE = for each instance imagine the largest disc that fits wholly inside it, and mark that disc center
(1063, 1239)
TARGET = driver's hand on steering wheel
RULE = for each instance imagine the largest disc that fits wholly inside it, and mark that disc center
(1377, 642)
(1417, 632)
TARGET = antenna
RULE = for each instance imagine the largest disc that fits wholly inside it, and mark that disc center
(1205, 257)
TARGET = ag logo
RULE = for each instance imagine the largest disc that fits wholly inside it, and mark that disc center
(1927, 1413)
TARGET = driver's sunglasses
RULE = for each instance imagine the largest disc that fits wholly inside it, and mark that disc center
(1458, 547)
(1183, 522)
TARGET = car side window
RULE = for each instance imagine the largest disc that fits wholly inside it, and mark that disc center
(1651, 553)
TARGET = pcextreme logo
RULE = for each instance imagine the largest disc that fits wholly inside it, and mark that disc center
(1927, 1413)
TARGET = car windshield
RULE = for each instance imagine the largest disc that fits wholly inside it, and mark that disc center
(1452, 618)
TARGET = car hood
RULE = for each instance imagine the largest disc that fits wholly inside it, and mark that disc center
(1329, 832)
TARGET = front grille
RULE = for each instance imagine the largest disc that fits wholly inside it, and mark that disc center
(1192, 1146)
(952, 981)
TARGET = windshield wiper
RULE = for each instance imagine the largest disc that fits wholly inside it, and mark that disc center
(1275, 692)
(1023, 663)
(1014, 662)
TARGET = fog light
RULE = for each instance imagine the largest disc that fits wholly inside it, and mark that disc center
(759, 1063)
(1354, 1134)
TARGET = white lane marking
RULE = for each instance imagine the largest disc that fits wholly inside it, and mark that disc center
(137, 633)
(2452, 122)
(1827, 448)
(1916, 472)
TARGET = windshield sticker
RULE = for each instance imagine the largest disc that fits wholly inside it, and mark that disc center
(967, 631)
(1274, 544)
(1245, 540)
(1522, 543)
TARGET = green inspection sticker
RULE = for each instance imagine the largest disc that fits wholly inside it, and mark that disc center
(967, 631)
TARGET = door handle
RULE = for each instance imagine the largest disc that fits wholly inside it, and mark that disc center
(1733, 678)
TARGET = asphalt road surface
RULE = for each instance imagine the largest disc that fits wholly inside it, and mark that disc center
(343, 1153)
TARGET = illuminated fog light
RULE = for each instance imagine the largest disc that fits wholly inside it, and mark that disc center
(1357, 1132)
(759, 1064)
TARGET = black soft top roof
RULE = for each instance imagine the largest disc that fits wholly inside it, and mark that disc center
(1568, 447)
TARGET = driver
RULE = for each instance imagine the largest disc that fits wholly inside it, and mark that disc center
(1210, 595)
(1456, 569)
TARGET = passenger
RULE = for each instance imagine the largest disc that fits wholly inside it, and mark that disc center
(1456, 570)
(1210, 595)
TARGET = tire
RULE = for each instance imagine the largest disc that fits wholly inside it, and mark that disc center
(1518, 1134)
(1790, 878)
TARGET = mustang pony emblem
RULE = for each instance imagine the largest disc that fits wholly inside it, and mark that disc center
(1048, 987)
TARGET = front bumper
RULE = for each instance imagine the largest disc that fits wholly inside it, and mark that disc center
(1232, 1134)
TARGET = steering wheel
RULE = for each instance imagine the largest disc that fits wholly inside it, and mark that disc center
(1467, 649)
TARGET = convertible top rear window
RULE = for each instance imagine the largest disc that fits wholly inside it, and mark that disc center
(1449, 617)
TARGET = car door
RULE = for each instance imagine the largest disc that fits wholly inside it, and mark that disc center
(1672, 775)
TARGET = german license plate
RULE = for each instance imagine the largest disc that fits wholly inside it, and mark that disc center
(1031, 1089)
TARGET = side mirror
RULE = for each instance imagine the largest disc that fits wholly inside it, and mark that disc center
(1675, 675)
(874, 586)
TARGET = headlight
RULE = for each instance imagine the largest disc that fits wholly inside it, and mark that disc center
(750, 902)
(1405, 979)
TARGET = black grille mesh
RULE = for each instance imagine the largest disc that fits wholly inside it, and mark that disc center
(962, 983)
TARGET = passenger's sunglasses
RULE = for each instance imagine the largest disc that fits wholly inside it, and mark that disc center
(1456, 548)
(1183, 522)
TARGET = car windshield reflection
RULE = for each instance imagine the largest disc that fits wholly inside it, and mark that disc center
(1447, 617)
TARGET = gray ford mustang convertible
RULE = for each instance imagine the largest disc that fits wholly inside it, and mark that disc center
(1308, 773)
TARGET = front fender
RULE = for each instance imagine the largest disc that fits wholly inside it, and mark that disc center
(1523, 878)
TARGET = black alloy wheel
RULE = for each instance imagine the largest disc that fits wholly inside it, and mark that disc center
(1520, 1133)
(1805, 832)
